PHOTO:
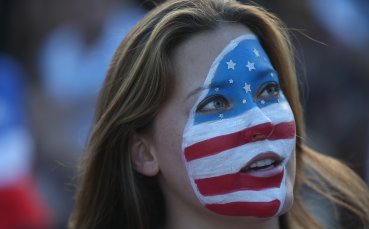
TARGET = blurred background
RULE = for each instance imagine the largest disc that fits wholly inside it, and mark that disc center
(53, 58)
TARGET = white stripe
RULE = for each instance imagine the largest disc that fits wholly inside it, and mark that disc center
(266, 195)
(281, 112)
(283, 192)
(232, 160)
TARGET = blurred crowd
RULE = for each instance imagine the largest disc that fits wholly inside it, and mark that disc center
(53, 58)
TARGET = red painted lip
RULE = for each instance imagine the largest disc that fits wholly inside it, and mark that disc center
(263, 156)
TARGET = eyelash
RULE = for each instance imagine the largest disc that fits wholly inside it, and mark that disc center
(271, 88)
(223, 105)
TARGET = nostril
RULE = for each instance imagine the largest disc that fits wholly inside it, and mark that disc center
(258, 136)
(257, 133)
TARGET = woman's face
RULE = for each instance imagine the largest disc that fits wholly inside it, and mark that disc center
(225, 140)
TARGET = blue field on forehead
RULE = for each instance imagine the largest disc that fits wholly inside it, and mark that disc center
(242, 69)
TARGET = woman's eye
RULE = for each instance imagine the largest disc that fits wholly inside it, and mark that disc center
(215, 103)
(269, 91)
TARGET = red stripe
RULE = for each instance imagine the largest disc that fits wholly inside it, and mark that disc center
(257, 209)
(21, 206)
(284, 130)
(237, 182)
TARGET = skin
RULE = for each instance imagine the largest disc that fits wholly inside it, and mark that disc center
(159, 152)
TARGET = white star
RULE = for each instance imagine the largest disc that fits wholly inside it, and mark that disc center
(262, 102)
(256, 52)
(230, 81)
(247, 87)
(271, 74)
(244, 101)
(216, 89)
(250, 66)
(220, 115)
(231, 64)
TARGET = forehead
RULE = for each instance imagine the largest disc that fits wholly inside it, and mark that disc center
(194, 57)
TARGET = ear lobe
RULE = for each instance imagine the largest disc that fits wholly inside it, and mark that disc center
(143, 159)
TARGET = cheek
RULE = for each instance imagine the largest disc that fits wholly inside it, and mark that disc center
(168, 131)
(291, 168)
(167, 142)
(290, 182)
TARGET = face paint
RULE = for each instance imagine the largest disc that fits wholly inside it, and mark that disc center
(240, 134)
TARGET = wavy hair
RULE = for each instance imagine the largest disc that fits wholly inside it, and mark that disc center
(111, 194)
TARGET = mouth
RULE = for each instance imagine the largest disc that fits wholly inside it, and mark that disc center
(264, 164)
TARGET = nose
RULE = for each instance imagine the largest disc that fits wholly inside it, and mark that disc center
(257, 132)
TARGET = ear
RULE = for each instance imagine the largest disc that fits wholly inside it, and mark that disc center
(143, 156)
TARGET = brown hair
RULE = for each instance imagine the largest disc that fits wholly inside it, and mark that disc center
(111, 194)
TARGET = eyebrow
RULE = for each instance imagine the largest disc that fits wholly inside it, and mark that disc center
(197, 90)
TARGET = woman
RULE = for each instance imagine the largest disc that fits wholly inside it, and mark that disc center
(199, 125)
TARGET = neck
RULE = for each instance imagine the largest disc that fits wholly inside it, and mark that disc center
(181, 215)
(182, 223)
(221, 223)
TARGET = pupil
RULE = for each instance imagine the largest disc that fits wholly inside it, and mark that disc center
(218, 103)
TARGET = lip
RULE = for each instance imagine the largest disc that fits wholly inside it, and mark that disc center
(264, 172)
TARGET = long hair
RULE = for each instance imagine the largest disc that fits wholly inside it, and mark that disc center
(111, 194)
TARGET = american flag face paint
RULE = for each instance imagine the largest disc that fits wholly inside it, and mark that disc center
(240, 134)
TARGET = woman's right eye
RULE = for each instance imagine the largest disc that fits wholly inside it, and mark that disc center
(213, 104)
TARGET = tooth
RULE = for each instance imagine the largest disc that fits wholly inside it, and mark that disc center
(269, 161)
(265, 162)
(260, 163)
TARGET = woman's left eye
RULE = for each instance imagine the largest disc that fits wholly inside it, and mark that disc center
(269, 91)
